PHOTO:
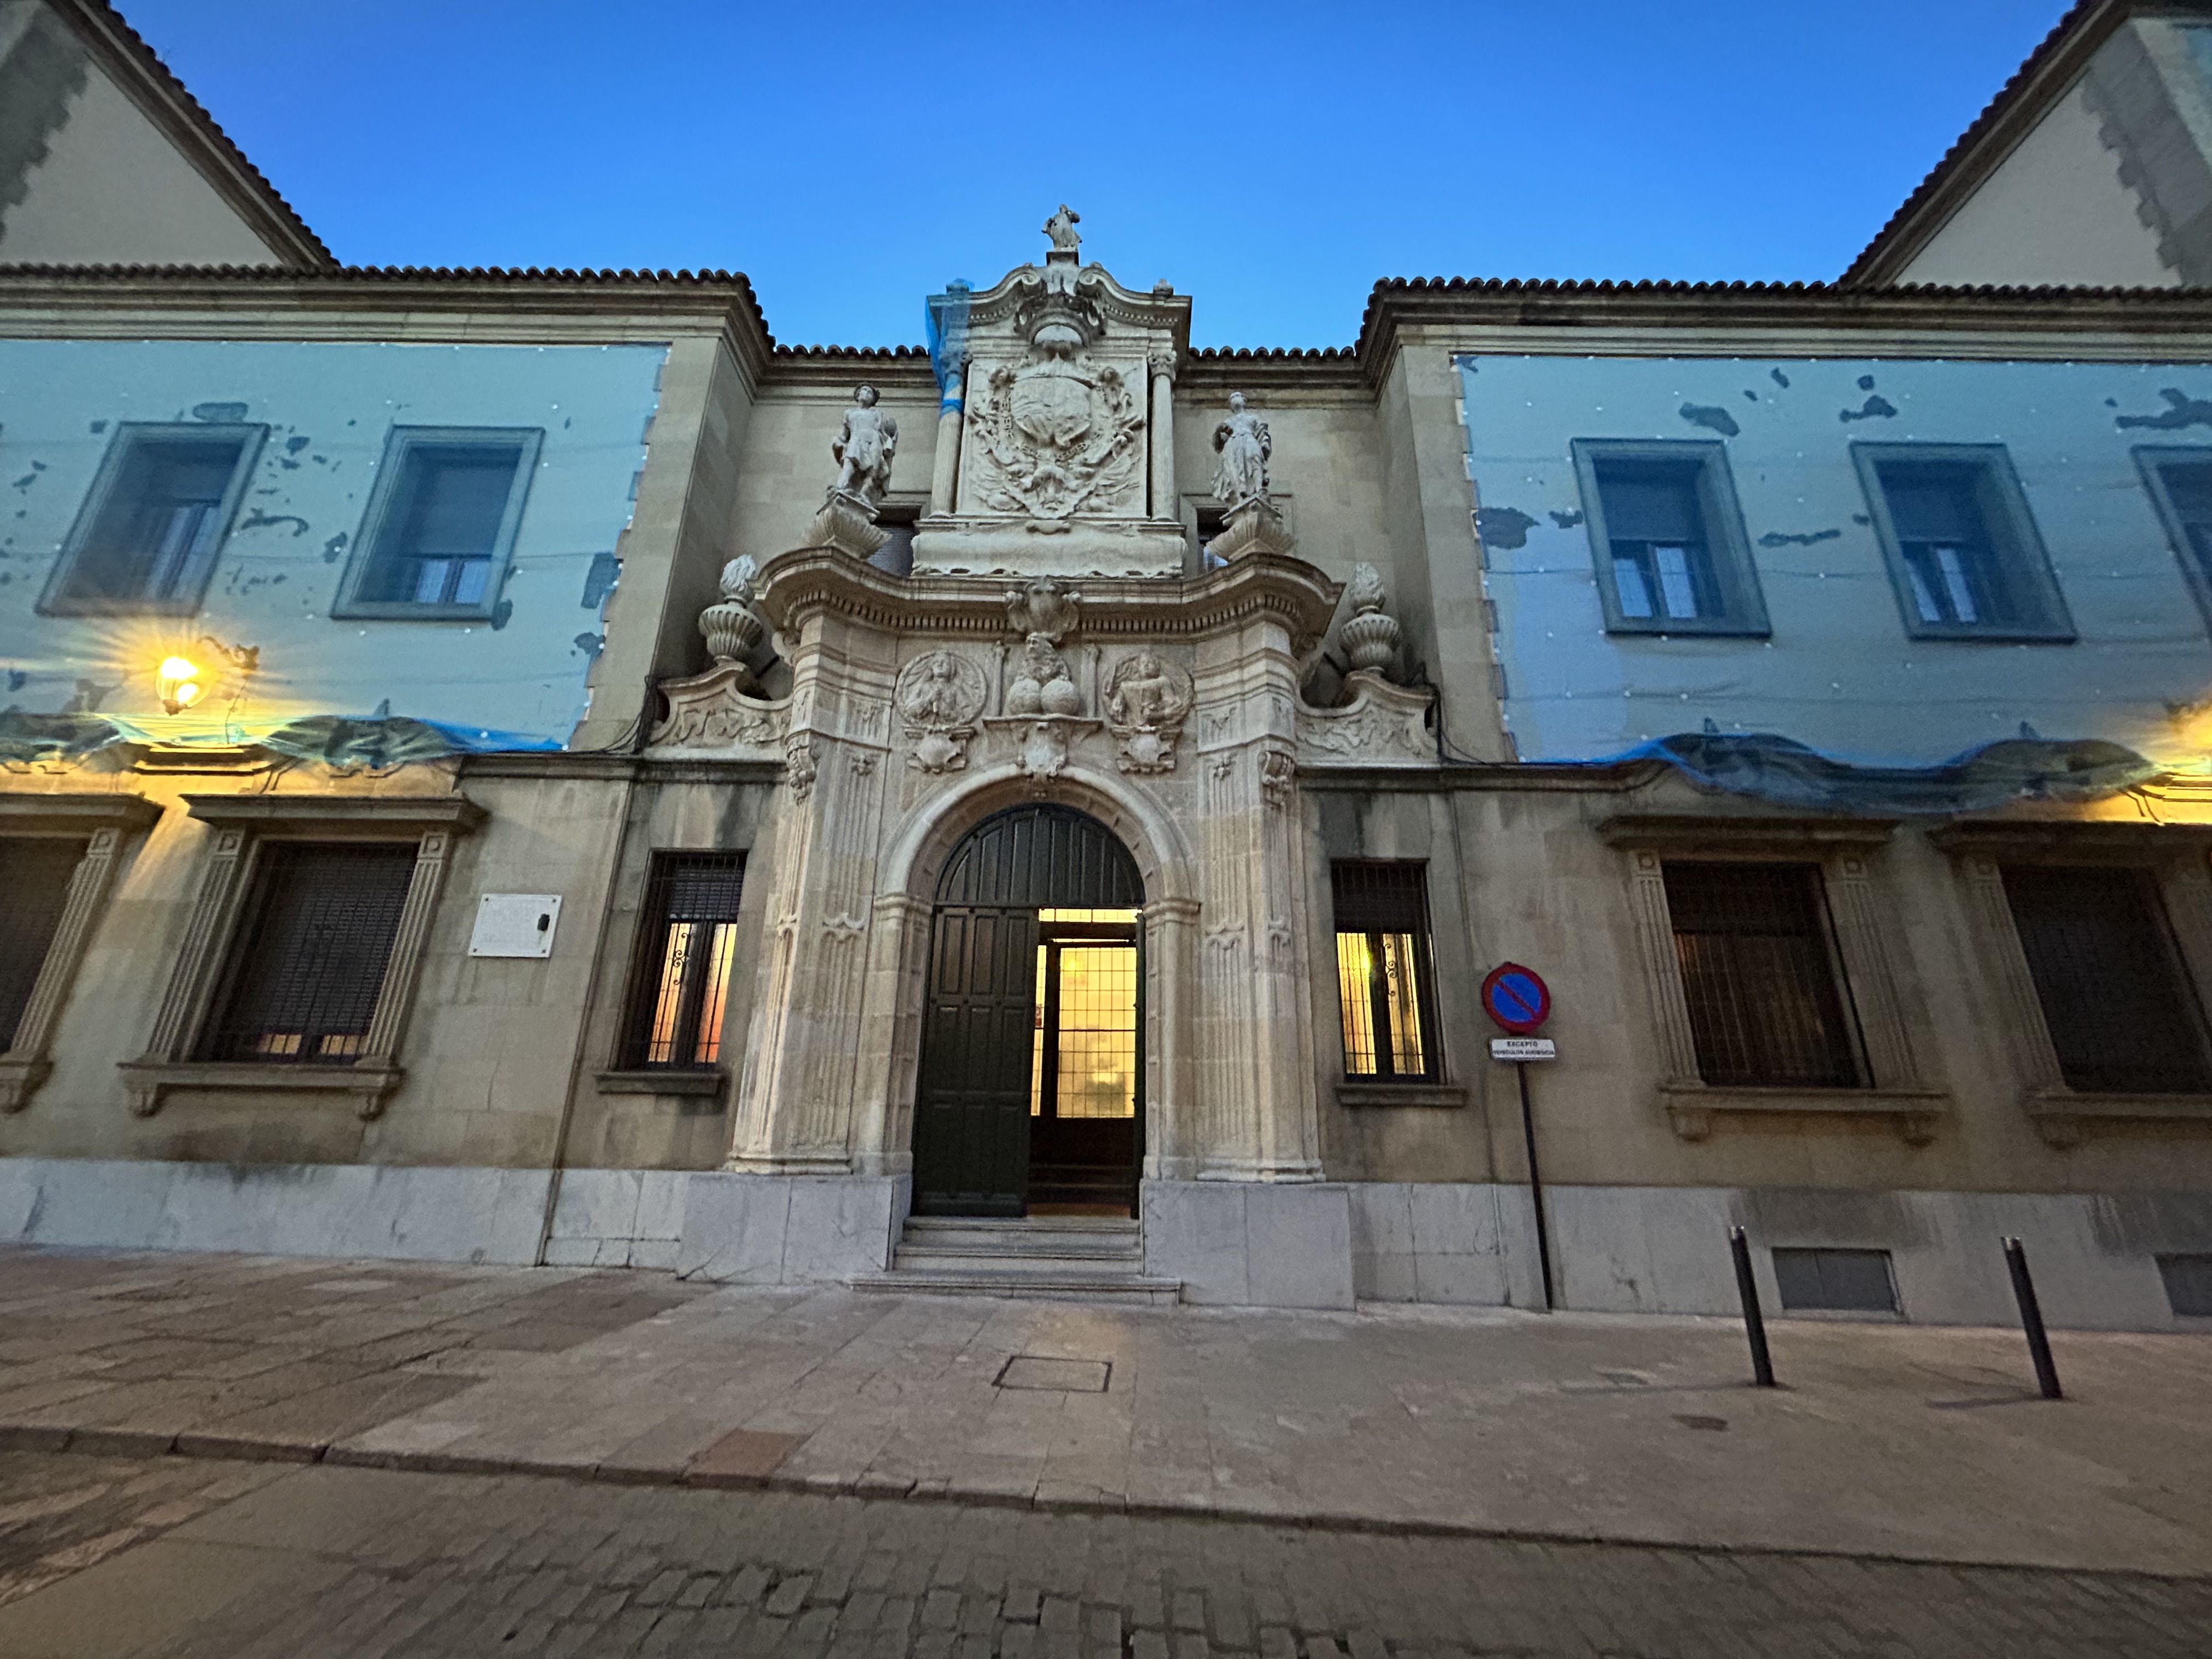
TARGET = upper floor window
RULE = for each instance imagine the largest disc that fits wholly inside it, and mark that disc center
(1668, 538)
(146, 540)
(1383, 989)
(441, 523)
(1963, 552)
(1761, 976)
(2180, 483)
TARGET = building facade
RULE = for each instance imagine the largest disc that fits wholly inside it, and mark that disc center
(523, 767)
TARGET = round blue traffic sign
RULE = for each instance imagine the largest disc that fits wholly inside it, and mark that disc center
(1516, 998)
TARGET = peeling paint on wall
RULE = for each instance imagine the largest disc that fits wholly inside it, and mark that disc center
(2181, 411)
(1506, 528)
(599, 579)
(1840, 673)
(517, 675)
(1712, 417)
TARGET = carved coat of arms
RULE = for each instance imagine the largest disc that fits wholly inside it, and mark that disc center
(1056, 436)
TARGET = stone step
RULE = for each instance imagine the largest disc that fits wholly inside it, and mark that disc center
(1028, 1262)
(1126, 1289)
(1041, 1235)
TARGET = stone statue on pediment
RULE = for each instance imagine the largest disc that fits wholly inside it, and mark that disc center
(1060, 227)
(1245, 446)
(864, 447)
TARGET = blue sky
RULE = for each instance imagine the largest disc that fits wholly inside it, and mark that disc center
(1273, 160)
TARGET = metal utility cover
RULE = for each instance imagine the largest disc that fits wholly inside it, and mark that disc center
(1061, 1375)
(515, 925)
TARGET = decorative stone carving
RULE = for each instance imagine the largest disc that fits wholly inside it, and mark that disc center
(1245, 446)
(1060, 227)
(1384, 725)
(799, 766)
(1044, 685)
(731, 630)
(1060, 434)
(1370, 634)
(714, 710)
(846, 523)
(1147, 699)
(1279, 775)
(939, 696)
(864, 447)
(1044, 606)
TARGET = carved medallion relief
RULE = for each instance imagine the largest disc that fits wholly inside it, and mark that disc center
(940, 697)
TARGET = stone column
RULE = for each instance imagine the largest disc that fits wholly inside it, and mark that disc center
(795, 1103)
(1163, 502)
(945, 475)
(1170, 975)
(890, 1036)
(2024, 1034)
(1654, 939)
(1864, 946)
(1261, 1116)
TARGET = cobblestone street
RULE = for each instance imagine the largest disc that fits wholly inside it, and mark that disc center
(186, 1558)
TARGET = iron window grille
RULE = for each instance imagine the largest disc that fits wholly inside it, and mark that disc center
(146, 539)
(2097, 940)
(1385, 988)
(307, 964)
(686, 950)
(1962, 549)
(439, 530)
(1668, 538)
(1837, 1281)
(35, 874)
(2179, 481)
(1765, 989)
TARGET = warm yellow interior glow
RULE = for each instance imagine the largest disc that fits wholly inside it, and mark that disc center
(176, 682)
(178, 668)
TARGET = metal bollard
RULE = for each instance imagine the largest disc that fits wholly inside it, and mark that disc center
(1755, 1326)
(2030, 1319)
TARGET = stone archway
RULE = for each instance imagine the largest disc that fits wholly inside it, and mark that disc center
(911, 872)
(1030, 1086)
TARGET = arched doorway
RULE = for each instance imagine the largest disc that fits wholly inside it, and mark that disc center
(1031, 1085)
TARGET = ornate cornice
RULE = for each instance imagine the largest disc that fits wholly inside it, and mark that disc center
(797, 585)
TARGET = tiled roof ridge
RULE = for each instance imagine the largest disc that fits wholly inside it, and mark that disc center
(135, 44)
(1977, 129)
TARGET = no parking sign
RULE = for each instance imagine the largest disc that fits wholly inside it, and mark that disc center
(1516, 998)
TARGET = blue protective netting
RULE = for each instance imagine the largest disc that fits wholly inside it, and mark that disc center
(1787, 773)
(333, 739)
(947, 316)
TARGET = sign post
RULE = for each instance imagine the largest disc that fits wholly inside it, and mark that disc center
(1519, 1001)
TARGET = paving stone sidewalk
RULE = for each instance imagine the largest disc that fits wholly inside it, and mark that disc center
(222, 1560)
(1910, 1442)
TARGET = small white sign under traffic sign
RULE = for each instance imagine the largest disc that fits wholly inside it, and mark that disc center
(1523, 1048)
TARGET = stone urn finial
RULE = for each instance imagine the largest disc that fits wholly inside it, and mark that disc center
(733, 632)
(1370, 634)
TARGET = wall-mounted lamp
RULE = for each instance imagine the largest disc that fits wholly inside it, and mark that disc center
(178, 680)
(177, 683)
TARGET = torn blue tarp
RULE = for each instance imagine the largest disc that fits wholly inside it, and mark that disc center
(1785, 772)
(335, 740)
(947, 314)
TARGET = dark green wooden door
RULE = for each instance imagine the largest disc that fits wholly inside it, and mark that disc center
(979, 1038)
(971, 1141)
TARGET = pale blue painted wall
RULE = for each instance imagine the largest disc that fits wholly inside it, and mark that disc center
(328, 408)
(1838, 672)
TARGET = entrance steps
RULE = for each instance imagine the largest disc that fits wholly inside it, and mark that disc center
(1061, 1258)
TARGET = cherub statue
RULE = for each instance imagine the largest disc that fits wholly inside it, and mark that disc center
(864, 446)
(1244, 445)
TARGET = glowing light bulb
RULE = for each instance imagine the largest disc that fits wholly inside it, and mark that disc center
(176, 682)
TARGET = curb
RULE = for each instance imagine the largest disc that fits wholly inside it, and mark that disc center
(150, 1444)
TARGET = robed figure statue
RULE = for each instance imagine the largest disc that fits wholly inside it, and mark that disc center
(864, 446)
(1242, 440)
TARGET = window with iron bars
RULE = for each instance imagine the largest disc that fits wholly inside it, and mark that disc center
(1767, 1000)
(35, 874)
(2098, 945)
(1383, 979)
(687, 945)
(306, 968)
